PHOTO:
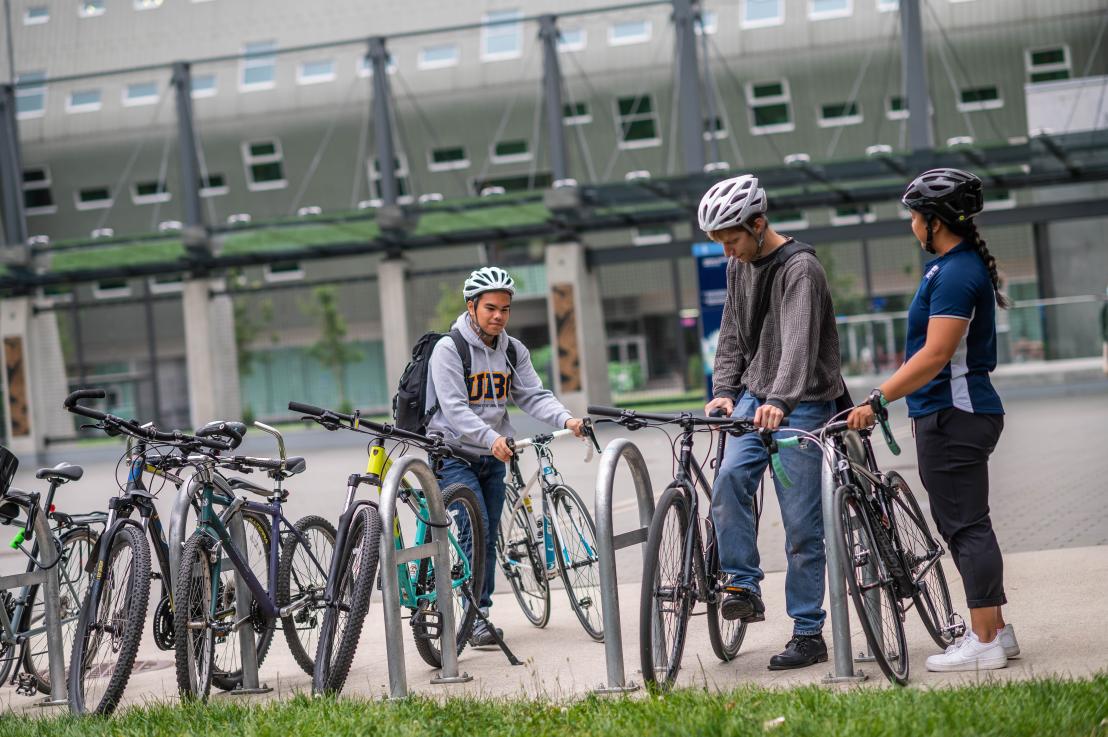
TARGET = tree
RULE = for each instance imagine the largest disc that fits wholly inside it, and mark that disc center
(449, 307)
(331, 349)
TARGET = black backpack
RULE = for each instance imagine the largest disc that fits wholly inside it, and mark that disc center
(409, 405)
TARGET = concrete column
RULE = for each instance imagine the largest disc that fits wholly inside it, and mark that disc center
(392, 289)
(210, 353)
(34, 379)
(576, 318)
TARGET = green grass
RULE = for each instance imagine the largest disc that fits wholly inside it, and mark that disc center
(1036, 708)
(156, 251)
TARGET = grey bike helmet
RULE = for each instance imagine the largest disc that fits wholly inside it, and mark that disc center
(488, 279)
(731, 202)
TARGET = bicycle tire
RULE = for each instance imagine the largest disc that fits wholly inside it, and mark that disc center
(302, 626)
(192, 615)
(523, 565)
(73, 585)
(131, 589)
(341, 630)
(578, 559)
(726, 635)
(659, 588)
(932, 593)
(456, 498)
(860, 554)
(226, 652)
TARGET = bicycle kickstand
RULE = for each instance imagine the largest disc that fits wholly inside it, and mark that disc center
(512, 659)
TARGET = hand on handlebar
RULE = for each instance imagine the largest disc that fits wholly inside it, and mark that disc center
(502, 450)
(768, 417)
(724, 404)
(578, 427)
(861, 417)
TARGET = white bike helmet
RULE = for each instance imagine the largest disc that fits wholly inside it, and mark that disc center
(488, 279)
(731, 202)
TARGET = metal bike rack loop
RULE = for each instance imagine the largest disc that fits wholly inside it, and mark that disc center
(608, 543)
(438, 550)
(51, 592)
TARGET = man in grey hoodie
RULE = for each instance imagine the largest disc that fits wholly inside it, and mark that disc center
(473, 410)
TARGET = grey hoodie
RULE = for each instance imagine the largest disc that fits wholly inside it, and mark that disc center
(474, 409)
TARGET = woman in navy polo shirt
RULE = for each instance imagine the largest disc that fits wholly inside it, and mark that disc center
(956, 414)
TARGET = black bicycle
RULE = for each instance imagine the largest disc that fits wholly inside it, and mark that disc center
(681, 563)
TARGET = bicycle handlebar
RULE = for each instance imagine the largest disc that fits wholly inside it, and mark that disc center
(133, 428)
(742, 424)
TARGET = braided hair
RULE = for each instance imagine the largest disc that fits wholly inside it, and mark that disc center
(968, 231)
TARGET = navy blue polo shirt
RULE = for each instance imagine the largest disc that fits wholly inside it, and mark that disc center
(956, 285)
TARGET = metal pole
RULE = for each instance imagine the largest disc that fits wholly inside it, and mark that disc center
(11, 172)
(679, 330)
(709, 98)
(552, 97)
(913, 64)
(685, 13)
(244, 603)
(152, 351)
(607, 544)
(78, 341)
(836, 586)
(382, 121)
(55, 644)
(186, 146)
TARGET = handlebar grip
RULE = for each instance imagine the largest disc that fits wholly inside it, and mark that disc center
(89, 412)
(213, 443)
(600, 409)
(793, 442)
(306, 409)
(263, 463)
(459, 452)
(74, 397)
(717, 412)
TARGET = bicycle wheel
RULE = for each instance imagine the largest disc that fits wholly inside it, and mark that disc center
(110, 626)
(73, 585)
(343, 620)
(666, 600)
(302, 576)
(578, 560)
(871, 585)
(726, 635)
(522, 561)
(932, 595)
(8, 652)
(467, 533)
(226, 648)
(193, 617)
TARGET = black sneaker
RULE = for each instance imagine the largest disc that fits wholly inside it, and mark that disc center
(802, 651)
(742, 604)
(483, 637)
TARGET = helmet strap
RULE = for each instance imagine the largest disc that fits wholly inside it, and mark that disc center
(761, 239)
(487, 338)
(929, 247)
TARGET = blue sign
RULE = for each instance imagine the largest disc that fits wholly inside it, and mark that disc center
(711, 271)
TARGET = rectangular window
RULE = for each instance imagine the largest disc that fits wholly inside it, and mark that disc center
(824, 9)
(638, 123)
(259, 67)
(140, 93)
(315, 72)
(37, 197)
(629, 32)
(770, 107)
(447, 159)
(513, 183)
(148, 4)
(203, 85)
(149, 193)
(979, 98)
(895, 109)
(790, 220)
(264, 163)
(213, 185)
(400, 169)
(30, 94)
(839, 113)
(365, 66)
(853, 215)
(1048, 65)
(501, 35)
(286, 271)
(90, 8)
(35, 15)
(576, 113)
(999, 199)
(761, 13)
(82, 101)
(714, 128)
(572, 39)
(885, 6)
(439, 56)
(651, 235)
(93, 198)
(110, 288)
(166, 284)
(509, 152)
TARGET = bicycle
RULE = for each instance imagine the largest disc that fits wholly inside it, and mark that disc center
(76, 539)
(352, 575)
(299, 557)
(681, 564)
(886, 547)
(532, 550)
(113, 612)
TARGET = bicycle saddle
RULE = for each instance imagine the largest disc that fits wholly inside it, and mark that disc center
(61, 473)
(240, 484)
(232, 432)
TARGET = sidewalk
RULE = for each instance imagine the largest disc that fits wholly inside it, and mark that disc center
(561, 662)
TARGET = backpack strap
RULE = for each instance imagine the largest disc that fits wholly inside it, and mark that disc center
(512, 357)
(463, 351)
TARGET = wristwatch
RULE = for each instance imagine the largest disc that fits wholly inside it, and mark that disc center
(877, 398)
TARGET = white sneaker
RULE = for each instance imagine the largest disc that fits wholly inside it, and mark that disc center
(1007, 638)
(969, 655)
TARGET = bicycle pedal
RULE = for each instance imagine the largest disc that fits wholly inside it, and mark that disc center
(426, 624)
(25, 685)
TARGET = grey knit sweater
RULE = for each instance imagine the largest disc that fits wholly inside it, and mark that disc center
(798, 352)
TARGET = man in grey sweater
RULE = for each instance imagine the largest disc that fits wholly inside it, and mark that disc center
(473, 409)
(777, 356)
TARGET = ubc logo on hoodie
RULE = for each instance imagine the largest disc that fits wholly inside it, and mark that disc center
(487, 385)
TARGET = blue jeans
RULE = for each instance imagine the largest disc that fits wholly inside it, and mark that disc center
(744, 465)
(486, 480)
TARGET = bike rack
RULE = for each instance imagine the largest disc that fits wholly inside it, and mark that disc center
(439, 552)
(51, 591)
(608, 543)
